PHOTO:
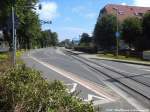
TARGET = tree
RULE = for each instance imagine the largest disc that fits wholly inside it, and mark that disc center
(54, 38)
(146, 32)
(85, 39)
(104, 32)
(29, 30)
(45, 40)
(27, 18)
(48, 39)
(132, 31)
(29, 33)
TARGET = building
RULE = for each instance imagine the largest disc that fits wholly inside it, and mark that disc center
(124, 11)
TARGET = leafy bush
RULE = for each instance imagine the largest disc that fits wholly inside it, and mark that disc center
(22, 89)
(86, 49)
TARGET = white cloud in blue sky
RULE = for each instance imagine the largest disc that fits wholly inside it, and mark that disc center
(144, 3)
(74, 32)
(70, 18)
(67, 19)
(49, 11)
(91, 15)
(123, 3)
(84, 12)
(79, 9)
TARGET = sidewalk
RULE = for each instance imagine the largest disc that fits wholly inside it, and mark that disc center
(94, 56)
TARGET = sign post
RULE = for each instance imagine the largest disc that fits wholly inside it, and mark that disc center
(14, 39)
(15, 25)
(117, 34)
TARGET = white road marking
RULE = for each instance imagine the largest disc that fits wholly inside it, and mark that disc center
(101, 100)
(126, 96)
(73, 88)
(91, 86)
(146, 70)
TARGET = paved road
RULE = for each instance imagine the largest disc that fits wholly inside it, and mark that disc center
(81, 75)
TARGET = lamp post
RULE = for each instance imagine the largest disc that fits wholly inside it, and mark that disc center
(117, 32)
(14, 29)
(13, 35)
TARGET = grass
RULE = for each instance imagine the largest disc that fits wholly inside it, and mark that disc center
(6, 61)
(23, 89)
(3, 56)
(19, 53)
(121, 57)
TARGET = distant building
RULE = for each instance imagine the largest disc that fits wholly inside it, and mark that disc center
(124, 11)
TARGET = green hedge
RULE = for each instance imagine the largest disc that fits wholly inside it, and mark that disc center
(24, 90)
(86, 49)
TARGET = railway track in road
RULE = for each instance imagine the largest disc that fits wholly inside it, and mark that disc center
(139, 87)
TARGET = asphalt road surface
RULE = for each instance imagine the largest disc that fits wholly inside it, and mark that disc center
(111, 85)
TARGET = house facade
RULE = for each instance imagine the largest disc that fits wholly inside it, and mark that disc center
(124, 11)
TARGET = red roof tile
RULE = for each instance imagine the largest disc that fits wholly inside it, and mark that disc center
(125, 11)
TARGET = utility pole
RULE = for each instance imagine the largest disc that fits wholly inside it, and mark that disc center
(14, 34)
(14, 37)
(117, 32)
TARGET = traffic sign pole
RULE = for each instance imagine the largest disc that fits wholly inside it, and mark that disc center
(117, 33)
(14, 27)
(117, 42)
(14, 39)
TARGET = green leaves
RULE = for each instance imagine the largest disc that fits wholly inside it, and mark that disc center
(85, 39)
(146, 25)
(131, 30)
(24, 90)
(104, 32)
(48, 39)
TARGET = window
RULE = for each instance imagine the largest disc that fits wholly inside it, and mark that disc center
(140, 14)
(121, 12)
(136, 14)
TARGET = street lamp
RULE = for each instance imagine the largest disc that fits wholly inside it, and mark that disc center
(117, 34)
(13, 34)
(14, 29)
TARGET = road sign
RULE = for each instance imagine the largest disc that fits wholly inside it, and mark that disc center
(45, 22)
(117, 34)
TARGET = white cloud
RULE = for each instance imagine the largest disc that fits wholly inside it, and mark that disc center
(79, 9)
(123, 3)
(74, 29)
(49, 11)
(144, 3)
(84, 12)
(67, 19)
(71, 32)
(91, 15)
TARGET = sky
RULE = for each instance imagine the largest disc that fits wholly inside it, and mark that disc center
(70, 18)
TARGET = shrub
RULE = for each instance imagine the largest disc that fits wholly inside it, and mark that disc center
(86, 49)
(22, 89)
